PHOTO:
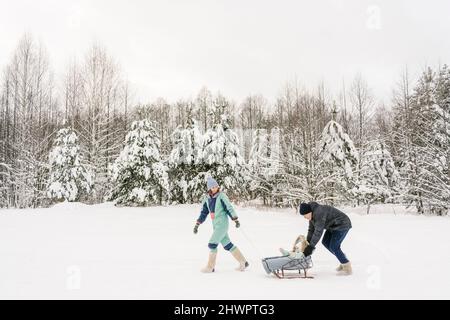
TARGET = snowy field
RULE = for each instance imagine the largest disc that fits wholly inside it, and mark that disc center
(74, 251)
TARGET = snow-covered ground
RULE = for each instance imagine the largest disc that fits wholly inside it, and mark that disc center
(76, 251)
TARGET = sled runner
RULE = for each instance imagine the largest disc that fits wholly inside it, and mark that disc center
(278, 266)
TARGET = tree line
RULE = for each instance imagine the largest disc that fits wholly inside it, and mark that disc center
(306, 145)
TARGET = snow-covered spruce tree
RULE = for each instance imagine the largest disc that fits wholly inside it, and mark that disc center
(441, 132)
(378, 179)
(260, 169)
(139, 175)
(432, 141)
(222, 158)
(420, 157)
(293, 183)
(424, 159)
(340, 158)
(280, 176)
(68, 179)
(185, 164)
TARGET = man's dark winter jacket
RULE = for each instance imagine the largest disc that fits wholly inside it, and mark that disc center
(325, 218)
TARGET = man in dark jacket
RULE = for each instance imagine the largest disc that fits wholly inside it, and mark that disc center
(335, 222)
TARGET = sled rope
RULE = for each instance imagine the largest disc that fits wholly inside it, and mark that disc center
(251, 242)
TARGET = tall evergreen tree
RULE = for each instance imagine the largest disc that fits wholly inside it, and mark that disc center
(341, 159)
(260, 166)
(69, 179)
(139, 175)
(378, 179)
(185, 164)
(423, 153)
(222, 158)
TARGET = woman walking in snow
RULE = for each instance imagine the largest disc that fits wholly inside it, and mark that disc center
(335, 222)
(219, 207)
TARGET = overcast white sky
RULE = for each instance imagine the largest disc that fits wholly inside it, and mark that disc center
(173, 48)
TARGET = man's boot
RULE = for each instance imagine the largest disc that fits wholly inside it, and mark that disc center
(346, 269)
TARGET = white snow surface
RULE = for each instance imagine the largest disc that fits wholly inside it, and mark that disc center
(77, 251)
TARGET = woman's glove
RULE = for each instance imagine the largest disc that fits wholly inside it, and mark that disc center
(196, 228)
(237, 223)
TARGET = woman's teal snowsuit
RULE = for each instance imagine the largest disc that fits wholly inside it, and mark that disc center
(219, 207)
